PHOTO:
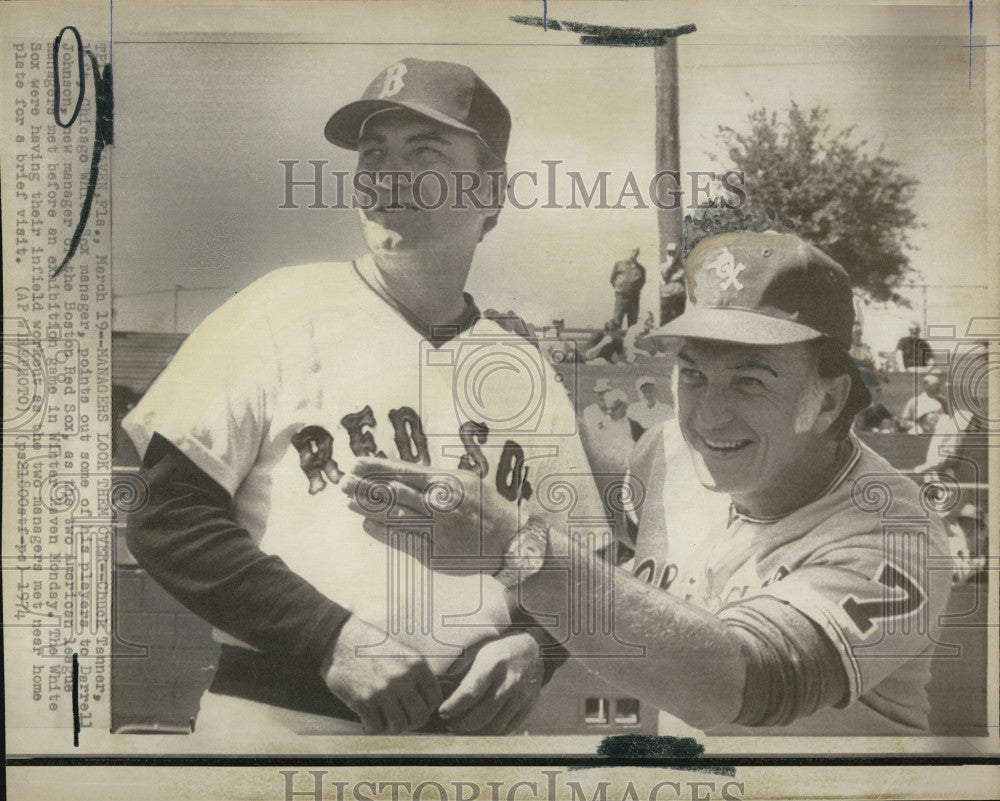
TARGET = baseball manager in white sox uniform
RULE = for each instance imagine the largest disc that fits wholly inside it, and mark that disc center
(787, 579)
(269, 403)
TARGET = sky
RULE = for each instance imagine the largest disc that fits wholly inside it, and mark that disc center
(202, 125)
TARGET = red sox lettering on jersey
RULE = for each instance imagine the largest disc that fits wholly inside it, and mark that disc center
(316, 450)
(307, 370)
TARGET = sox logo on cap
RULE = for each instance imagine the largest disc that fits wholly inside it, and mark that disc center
(727, 272)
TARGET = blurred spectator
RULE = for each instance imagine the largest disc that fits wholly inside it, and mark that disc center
(968, 544)
(606, 344)
(609, 441)
(912, 351)
(860, 351)
(959, 450)
(927, 401)
(628, 278)
(886, 362)
(942, 449)
(649, 411)
(935, 421)
(635, 341)
(875, 417)
(597, 411)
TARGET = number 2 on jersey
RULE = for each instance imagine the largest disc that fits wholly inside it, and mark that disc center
(865, 613)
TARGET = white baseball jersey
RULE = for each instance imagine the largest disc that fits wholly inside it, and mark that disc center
(865, 562)
(278, 391)
(648, 416)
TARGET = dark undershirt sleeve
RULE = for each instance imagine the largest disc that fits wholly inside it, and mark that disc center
(552, 653)
(186, 539)
(793, 670)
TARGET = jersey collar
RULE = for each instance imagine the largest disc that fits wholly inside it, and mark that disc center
(835, 482)
(437, 335)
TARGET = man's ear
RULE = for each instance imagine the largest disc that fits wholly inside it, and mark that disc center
(496, 185)
(835, 394)
(489, 224)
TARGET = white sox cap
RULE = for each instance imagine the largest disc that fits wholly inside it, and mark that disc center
(764, 289)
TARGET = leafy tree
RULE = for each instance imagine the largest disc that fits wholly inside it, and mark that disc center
(720, 216)
(851, 203)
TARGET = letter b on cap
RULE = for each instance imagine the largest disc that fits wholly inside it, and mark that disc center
(393, 81)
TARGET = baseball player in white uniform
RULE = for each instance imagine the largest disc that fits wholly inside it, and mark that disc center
(786, 578)
(268, 404)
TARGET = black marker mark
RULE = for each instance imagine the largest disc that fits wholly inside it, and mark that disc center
(104, 134)
(608, 35)
(645, 746)
(970, 43)
(76, 700)
(970, 46)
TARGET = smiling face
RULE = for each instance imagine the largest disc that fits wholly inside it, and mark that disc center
(754, 418)
(403, 217)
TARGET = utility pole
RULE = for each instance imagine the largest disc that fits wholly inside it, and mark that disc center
(670, 221)
(668, 159)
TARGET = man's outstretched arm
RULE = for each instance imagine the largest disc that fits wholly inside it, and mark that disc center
(759, 663)
(693, 666)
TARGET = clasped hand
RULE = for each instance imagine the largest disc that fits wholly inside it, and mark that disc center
(467, 525)
(397, 692)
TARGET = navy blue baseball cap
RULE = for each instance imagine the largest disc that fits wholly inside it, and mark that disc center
(451, 94)
(763, 289)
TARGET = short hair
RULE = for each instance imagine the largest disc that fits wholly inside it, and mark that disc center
(832, 361)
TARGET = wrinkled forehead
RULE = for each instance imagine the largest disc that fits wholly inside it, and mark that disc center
(782, 359)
